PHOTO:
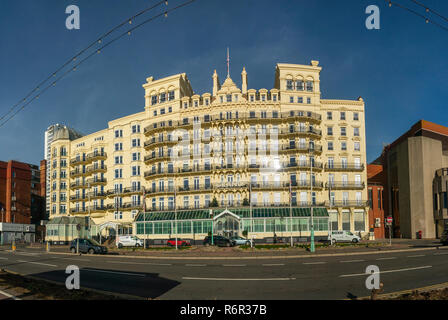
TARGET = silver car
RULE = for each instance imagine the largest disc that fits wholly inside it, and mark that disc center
(239, 241)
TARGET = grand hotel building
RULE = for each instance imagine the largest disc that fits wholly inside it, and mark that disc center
(231, 160)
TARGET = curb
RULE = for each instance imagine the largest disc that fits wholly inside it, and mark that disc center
(117, 295)
(402, 292)
(260, 257)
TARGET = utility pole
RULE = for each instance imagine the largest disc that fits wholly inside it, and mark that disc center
(312, 249)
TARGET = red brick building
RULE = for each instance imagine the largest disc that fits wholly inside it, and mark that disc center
(20, 192)
(375, 187)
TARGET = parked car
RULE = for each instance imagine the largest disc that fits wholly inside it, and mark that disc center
(343, 236)
(219, 241)
(444, 238)
(240, 241)
(180, 243)
(89, 246)
(129, 241)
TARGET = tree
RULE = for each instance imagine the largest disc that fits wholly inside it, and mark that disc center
(214, 202)
(245, 233)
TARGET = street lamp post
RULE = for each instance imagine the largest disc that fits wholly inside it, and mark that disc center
(90, 215)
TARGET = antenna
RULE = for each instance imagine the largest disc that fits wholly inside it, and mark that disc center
(228, 63)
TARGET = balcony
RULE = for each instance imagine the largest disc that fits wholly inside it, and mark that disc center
(125, 191)
(301, 148)
(345, 185)
(97, 156)
(347, 203)
(124, 206)
(305, 184)
(77, 185)
(78, 197)
(96, 181)
(343, 166)
(303, 165)
(78, 161)
(96, 168)
(77, 173)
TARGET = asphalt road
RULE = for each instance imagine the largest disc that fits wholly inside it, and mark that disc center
(335, 277)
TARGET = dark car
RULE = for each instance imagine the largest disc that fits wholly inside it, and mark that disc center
(219, 241)
(89, 246)
(444, 238)
(180, 243)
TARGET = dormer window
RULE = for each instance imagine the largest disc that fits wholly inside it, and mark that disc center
(185, 105)
(252, 98)
(153, 100)
(263, 97)
(171, 95)
(274, 97)
(222, 99)
(196, 103)
(162, 97)
(229, 98)
(289, 85)
(235, 97)
(309, 86)
(206, 102)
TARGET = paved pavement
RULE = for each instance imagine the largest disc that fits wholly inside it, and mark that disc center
(319, 277)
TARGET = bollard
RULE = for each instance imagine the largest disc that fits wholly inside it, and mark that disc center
(48, 246)
(13, 245)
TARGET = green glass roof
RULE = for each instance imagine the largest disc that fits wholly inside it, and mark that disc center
(241, 212)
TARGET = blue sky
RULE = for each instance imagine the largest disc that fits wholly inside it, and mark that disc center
(399, 70)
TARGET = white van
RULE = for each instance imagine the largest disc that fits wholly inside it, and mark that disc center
(129, 241)
(343, 236)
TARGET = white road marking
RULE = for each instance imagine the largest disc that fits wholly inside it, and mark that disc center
(234, 265)
(144, 263)
(195, 265)
(125, 273)
(9, 295)
(416, 255)
(441, 253)
(39, 263)
(344, 261)
(26, 254)
(388, 271)
(75, 259)
(273, 264)
(233, 279)
(321, 262)
(390, 258)
(3, 258)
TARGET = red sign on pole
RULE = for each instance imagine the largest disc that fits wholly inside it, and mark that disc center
(389, 220)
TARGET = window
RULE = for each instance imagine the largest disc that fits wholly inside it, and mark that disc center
(308, 100)
(171, 95)
(162, 97)
(119, 146)
(229, 98)
(300, 100)
(309, 86)
(136, 128)
(136, 156)
(118, 173)
(330, 145)
(359, 222)
(135, 142)
(299, 85)
(342, 115)
(355, 116)
(329, 115)
(343, 146)
(119, 160)
(153, 100)
(136, 170)
(356, 132)
(170, 109)
(289, 85)
(357, 146)
(343, 131)
(155, 113)
(162, 111)
(291, 99)
(330, 131)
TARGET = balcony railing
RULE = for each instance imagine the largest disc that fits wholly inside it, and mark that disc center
(97, 155)
(124, 191)
(343, 166)
(344, 185)
(347, 203)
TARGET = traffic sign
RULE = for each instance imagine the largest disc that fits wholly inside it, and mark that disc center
(389, 220)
